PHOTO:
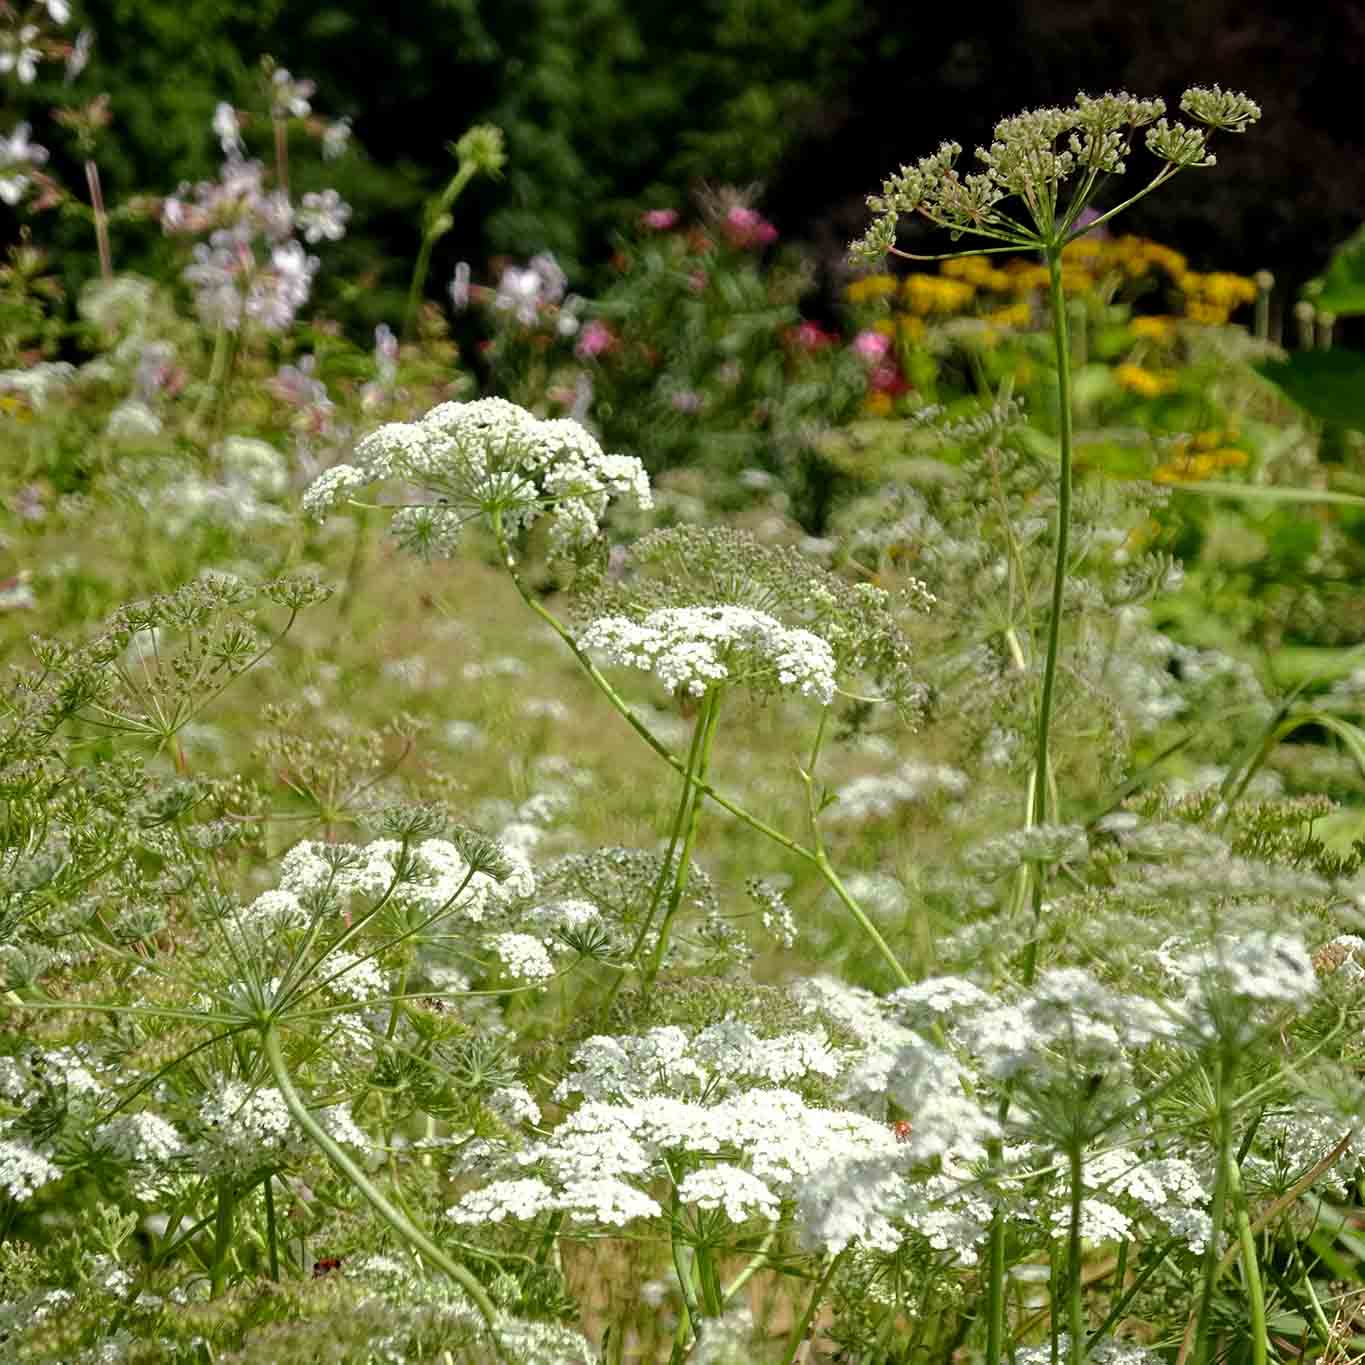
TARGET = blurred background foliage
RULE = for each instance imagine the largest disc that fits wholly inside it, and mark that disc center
(611, 106)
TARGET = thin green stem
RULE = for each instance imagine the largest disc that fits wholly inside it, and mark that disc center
(271, 1231)
(1074, 1305)
(1061, 345)
(1251, 1268)
(709, 717)
(756, 1263)
(403, 1227)
(1128, 1295)
(860, 915)
(92, 180)
(1223, 1126)
(222, 1239)
(693, 1313)
(437, 225)
(685, 802)
(801, 1328)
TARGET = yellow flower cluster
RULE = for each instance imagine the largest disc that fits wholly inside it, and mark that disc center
(1212, 298)
(926, 294)
(872, 288)
(1136, 257)
(966, 281)
(1201, 456)
(979, 271)
(1145, 383)
(1158, 329)
(12, 405)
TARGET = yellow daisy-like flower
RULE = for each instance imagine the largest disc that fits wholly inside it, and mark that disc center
(1160, 329)
(1144, 383)
(935, 294)
(978, 271)
(1014, 315)
(877, 404)
(871, 288)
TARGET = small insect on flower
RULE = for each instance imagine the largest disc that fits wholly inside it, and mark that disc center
(326, 1266)
(902, 1129)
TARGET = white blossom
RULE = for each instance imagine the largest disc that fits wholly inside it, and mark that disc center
(17, 154)
(694, 648)
(494, 459)
(24, 1171)
(741, 1195)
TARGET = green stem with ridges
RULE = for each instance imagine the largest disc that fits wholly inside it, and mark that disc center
(401, 1225)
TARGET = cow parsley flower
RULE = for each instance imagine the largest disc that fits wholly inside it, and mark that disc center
(491, 459)
(742, 1195)
(606, 1200)
(520, 1200)
(289, 97)
(141, 1138)
(694, 648)
(1100, 1222)
(24, 1171)
(523, 955)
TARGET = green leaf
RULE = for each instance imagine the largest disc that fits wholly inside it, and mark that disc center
(1343, 284)
(1268, 492)
(1329, 385)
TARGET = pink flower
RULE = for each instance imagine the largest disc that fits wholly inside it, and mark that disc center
(810, 336)
(595, 339)
(747, 227)
(660, 220)
(871, 345)
(886, 378)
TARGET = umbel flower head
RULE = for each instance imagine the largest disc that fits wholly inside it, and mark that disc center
(487, 459)
(702, 605)
(1033, 155)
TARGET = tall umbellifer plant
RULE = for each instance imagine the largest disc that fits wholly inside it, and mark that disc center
(1042, 184)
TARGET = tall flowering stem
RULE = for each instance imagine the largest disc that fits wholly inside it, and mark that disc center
(1030, 160)
(1061, 344)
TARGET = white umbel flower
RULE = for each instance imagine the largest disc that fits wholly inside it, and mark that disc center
(743, 1196)
(491, 459)
(695, 648)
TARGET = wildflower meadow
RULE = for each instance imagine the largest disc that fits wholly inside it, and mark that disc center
(708, 812)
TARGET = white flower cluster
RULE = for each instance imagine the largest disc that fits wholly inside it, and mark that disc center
(879, 796)
(245, 1128)
(1168, 1187)
(23, 1170)
(490, 458)
(715, 1060)
(1232, 982)
(695, 648)
(435, 877)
